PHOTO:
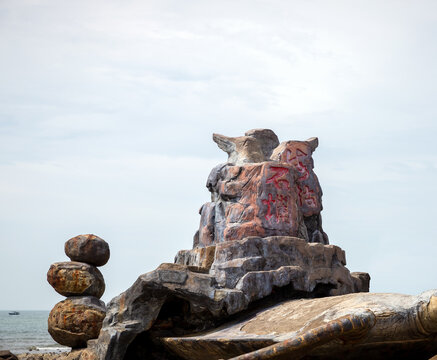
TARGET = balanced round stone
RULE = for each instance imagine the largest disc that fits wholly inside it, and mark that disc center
(71, 278)
(74, 321)
(88, 248)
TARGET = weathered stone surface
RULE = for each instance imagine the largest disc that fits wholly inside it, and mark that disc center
(361, 281)
(265, 189)
(7, 355)
(298, 154)
(251, 200)
(74, 321)
(267, 140)
(256, 146)
(76, 278)
(201, 257)
(242, 272)
(256, 265)
(75, 354)
(260, 240)
(398, 327)
(88, 248)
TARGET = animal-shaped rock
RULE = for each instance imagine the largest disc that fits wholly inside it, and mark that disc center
(354, 326)
(298, 154)
(265, 189)
(255, 146)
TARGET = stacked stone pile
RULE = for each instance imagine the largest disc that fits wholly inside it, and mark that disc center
(77, 319)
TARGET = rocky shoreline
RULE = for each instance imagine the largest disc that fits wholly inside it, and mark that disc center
(73, 355)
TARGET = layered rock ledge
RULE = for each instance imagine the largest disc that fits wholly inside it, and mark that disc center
(207, 285)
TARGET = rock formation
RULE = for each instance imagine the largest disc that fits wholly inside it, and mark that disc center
(259, 238)
(261, 281)
(353, 326)
(74, 321)
(264, 189)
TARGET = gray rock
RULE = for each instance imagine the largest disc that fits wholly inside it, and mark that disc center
(241, 273)
(88, 248)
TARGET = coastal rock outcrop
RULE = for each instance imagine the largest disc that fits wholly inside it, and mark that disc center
(74, 321)
(260, 240)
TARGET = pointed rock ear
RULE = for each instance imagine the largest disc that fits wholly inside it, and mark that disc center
(313, 143)
(225, 143)
(428, 315)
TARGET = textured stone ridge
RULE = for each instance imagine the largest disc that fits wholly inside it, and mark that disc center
(256, 265)
(265, 189)
(384, 326)
(240, 273)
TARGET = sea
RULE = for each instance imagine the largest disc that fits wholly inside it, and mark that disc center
(27, 332)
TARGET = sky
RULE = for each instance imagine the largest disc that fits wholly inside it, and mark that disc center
(107, 110)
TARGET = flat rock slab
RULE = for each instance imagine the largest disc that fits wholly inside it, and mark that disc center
(404, 327)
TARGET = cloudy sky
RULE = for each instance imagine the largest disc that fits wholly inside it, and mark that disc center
(107, 110)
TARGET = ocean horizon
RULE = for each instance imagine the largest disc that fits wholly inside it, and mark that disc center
(27, 332)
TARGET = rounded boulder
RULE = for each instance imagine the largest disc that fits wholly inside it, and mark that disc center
(76, 278)
(74, 321)
(88, 248)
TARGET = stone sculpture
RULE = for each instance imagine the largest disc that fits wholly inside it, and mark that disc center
(74, 321)
(262, 280)
(264, 189)
(353, 326)
(260, 237)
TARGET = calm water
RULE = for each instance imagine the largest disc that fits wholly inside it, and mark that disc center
(18, 333)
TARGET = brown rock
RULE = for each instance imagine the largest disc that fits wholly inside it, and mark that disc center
(76, 320)
(267, 139)
(251, 200)
(88, 248)
(256, 146)
(76, 278)
(7, 355)
(298, 155)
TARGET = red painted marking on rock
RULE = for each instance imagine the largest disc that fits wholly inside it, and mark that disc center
(269, 201)
(278, 177)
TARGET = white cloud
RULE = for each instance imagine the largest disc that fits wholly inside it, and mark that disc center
(107, 110)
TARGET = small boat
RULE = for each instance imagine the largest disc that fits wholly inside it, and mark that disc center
(14, 313)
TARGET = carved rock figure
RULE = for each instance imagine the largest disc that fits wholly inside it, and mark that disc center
(353, 326)
(264, 189)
